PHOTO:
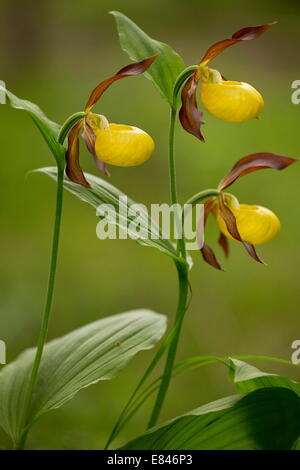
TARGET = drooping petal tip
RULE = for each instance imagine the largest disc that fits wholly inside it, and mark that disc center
(210, 258)
(191, 118)
(231, 225)
(73, 169)
(223, 242)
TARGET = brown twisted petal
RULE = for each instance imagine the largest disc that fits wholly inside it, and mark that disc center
(206, 251)
(230, 221)
(189, 115)
(101, 165)
(209, 256)
(209, 207)
(73, 169)
(244, 34)
(223, 242)
(255, 162)
(132, 69)
(89, 137)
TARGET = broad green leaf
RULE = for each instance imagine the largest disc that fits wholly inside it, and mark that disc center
(48, 129)
(266, 419)
(102, 192)
(248, 378)
(95, 352)
(138, 45)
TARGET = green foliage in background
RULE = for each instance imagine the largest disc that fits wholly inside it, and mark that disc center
(98, 351)
(244, 314)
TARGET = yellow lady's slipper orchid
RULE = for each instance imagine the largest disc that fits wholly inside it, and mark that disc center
(123, 145)
(256, 224)
(116, 144)
(231, 101)
(250, 225)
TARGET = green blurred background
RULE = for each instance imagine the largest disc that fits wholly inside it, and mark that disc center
(53, 53)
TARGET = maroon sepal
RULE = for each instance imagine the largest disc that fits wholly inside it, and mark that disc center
(223, 242)
(230, 221)
(210, 258)
(244, 34)
(132, 69)
(206, 251)
(255, 162)
(101, 165)
(189, 115)
(209, 207)
(89, 137)
(73, 170)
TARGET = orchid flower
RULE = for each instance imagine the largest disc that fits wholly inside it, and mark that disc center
(228, 100)
(115, 144)
(248, 224)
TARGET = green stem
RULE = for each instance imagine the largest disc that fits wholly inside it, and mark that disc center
(173, 338)
(167, 374)
(173, 183)
(123, 418)
(49, 298)
(180, 80)
(183, 283)
(200, 197)
(172, 166)
(66, 127)
(68, 124)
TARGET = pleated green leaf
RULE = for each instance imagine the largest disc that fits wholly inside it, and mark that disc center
(102, 192)
(138, 45)
(97, 351)
(47, 128)
(266, 419)
(248, 378)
